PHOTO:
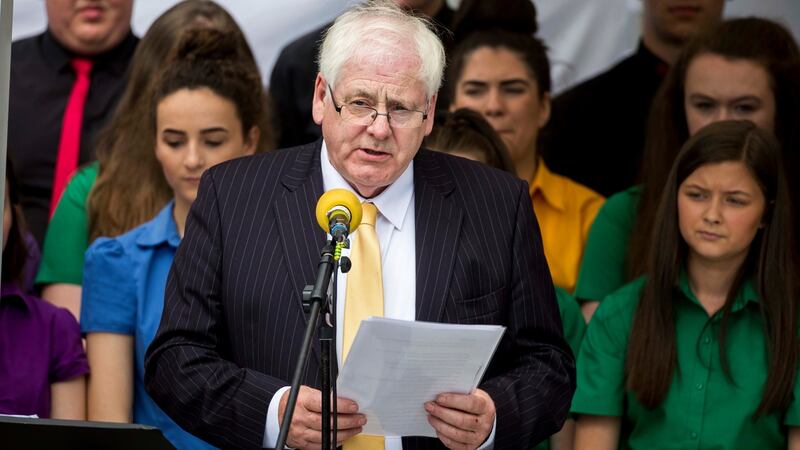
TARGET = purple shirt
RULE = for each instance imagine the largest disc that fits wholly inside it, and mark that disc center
(40, 344)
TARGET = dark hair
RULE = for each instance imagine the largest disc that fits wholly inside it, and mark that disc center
(531, 50)
(125, 178)
(15, 253)
(518, 16)
(759, 40)
(651, 360)
(467, 130)
(208, 58)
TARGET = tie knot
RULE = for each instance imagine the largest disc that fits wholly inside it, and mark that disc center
(369, 212)
(81, 66)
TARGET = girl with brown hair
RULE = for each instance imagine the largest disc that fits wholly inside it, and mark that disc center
(202, 112)
(746, 69)
(702, 351)
(125, 191)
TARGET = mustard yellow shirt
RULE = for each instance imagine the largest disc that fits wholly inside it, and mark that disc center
(565, 211)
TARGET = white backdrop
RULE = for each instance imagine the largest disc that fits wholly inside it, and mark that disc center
(585, 36)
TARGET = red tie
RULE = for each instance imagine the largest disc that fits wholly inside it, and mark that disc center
(70, 144)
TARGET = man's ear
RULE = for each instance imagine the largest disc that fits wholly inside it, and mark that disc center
(431, 114)
(318, 102)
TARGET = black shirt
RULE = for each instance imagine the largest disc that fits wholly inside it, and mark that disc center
(291, 84)
(597, 128)
(41, 82)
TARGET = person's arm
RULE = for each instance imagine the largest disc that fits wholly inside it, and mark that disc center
(68, 368)
(61, 270)
(68, 399)
(110, 396)
(64, 295)
(597, 432)
(794, 438)
(564, 439)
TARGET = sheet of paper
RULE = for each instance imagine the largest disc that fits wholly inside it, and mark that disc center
(395, 366)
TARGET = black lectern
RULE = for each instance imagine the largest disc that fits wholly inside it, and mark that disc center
(23, 433)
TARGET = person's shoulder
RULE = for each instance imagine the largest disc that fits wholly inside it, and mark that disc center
(456, 165)
(299, 49)
(48, 314)
(273, 162)
(622, 303)
(624, 203)
(21, 46)
(600, 85)
(310, 40)
(83, 180)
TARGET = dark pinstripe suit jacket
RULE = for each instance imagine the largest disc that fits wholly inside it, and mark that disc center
(233, 321)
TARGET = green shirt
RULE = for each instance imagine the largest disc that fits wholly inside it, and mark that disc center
(574, 328)
(603, 268)
(702, 408)
(67, 235)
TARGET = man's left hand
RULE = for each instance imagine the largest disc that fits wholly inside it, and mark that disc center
(462, 421)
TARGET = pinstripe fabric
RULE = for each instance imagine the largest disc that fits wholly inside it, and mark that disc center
(233, 321)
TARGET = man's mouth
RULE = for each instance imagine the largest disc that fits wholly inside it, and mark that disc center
(91, 12)
(684, 10)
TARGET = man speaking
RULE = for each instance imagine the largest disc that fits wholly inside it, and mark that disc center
(455, 242)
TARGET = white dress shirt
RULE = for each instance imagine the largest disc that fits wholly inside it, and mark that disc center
(397, 238)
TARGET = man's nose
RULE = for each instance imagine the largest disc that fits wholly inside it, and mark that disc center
(380, 126)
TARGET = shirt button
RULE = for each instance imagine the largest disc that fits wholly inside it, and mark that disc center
(699, 386)
(706, 340)
(693, 435)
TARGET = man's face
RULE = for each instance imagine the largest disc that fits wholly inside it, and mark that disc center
(89, 27)
(676, 21)
(371, 157)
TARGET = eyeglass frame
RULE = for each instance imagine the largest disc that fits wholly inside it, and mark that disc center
(338, 109)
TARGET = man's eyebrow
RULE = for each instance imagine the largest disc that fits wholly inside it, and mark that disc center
(362, 93)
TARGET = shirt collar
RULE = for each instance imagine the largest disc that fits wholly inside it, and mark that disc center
(546, 183)
(392, 203)
(162, 229)
(650, 59)
(747, 293)
(10, 291)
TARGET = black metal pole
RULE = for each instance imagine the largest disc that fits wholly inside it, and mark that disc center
(315, 299)
(298, 373)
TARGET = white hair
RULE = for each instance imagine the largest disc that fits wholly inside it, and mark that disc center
(380, 30)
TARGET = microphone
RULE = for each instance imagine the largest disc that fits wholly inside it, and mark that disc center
(338, 213)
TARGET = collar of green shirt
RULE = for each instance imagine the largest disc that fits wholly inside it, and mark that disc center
(746, 294)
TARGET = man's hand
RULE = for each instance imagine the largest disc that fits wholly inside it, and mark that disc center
(305, 431)
(462, 421)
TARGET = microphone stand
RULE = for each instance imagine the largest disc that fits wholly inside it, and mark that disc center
(319, 300)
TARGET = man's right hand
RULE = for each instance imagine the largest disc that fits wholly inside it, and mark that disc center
(305, 431)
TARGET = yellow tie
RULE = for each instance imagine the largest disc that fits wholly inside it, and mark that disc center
(363, 298)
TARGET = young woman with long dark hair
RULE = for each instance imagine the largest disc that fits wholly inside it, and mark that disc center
(744, 69)
(702, 351)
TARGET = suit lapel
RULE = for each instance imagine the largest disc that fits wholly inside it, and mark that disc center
(296, 221)
(438, 227)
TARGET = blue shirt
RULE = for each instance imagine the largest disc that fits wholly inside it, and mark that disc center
(123, 292)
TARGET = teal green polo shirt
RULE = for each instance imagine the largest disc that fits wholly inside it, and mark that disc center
(703, 409)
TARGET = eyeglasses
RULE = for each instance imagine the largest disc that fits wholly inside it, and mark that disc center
(363, 115)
